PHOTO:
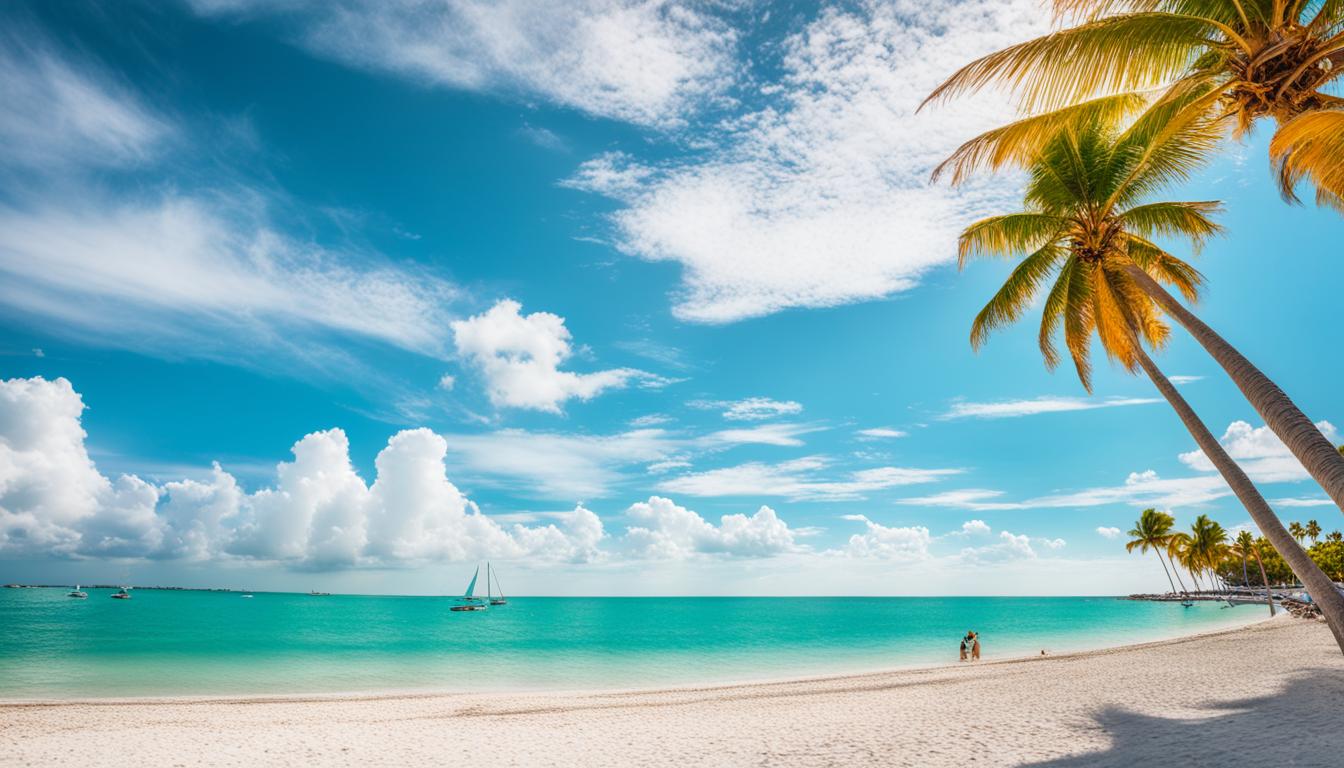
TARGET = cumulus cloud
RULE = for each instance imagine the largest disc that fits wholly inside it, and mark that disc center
(818, 195)
(520, 356)
(319, 513)
(751, 408)
(799, 479)
(1108, 532)
(1011, 546)
(1260, 453)
(975, 528)
(643, 61)
(664, 530)
(888, 543)
(1007, 409)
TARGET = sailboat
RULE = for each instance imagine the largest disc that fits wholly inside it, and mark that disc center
(489, 577)
(78, 593)
(469, 601)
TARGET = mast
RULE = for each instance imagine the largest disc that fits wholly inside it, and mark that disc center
(501, 588)
(488, 595)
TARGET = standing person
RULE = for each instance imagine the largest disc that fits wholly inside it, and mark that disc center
(975, 647)
(964, 648)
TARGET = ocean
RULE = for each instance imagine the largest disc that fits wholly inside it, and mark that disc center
(184, 643)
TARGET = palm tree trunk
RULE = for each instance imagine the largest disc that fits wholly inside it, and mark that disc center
(1158, 552)
(1322, 589)
(1177, 571)
(1245, 577)
(1268, 597)
(1317, 455)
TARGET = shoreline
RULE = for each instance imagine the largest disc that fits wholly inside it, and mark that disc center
(1200, 700)
(691, 686)
(391, 694)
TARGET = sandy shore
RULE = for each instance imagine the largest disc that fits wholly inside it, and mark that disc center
(1268, 694)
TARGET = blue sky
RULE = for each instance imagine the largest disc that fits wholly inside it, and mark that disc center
(565, 287)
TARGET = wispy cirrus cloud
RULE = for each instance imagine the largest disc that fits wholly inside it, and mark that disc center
(817, 194)
(804, 479)
(641, 61)
(1009, 409)
(750, 408)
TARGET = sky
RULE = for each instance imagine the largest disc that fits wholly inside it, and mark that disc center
(624, 297)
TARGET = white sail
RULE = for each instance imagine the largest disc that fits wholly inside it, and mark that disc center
(471, 588)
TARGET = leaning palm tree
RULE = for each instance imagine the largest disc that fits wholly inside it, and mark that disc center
(1087, 221)
(1235, 62)
(1313, 530)
(1244, 547)
(1152, 531)
(1297, 531)
(1208, 547)
(1181, 550)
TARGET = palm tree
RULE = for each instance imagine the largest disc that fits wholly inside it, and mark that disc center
(1239, 61)
(1335, 536)
(1313, 530)
(1208, 546)
(1151, 532)
(1086, 222)
(1245, 547)
(1297, 531)
(1181, 550)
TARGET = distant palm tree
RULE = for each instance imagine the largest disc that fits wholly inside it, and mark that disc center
(1245, 546)
(1208, 546)
(1230, 61)
(1087, 222)
(1152, 531)
(1297, 531)
(1335, 536)
(1181, 550)
(1313, 530)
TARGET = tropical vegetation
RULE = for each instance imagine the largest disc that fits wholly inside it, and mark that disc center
(1224, 64)
(1087, 228)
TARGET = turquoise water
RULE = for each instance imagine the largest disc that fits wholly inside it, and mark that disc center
(208, 643)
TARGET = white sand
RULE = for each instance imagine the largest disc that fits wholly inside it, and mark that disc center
(1267, 695)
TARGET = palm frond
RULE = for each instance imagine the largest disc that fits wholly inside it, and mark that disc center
(1115, 54)
(1019, 142)
(1164, 267)
(1169, 141)
(1079, 320)
(1015, 296)
(1311, 147)
(1007, 235)
(1189, 220)
(1053, 313)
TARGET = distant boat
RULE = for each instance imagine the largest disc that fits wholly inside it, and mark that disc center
(78, 593)
(247, 594)
(489, 576)
(315, 593)
(121, 594)
(469, 601)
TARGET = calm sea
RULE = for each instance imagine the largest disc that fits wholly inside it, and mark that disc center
(202, 643)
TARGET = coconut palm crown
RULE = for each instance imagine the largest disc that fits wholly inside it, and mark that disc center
(1088, 217)
(1234, 60)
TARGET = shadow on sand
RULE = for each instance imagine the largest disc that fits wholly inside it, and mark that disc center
(1301, 724)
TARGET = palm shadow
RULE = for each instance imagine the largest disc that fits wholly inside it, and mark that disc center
(1302, 724)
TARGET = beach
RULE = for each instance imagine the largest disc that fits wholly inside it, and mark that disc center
(1266, 692)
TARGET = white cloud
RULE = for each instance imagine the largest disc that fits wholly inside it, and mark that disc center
(201, 275)
(819, 196)
(1302, 502)
(664, 530)
(59, 112)
(1007, 409)
(1139, 489)
(763, 434)
(520, 357)
(879, 433)
(318, 514)
(650, 420)
(751, 408)
(556, 465)
(642, 61)
(1011, 546)
(1052, 543)
(1178, 379)
(886, 543)
(447, 381)
(1260, 453)
(975, 528)
(799, 479)
(1108, 532)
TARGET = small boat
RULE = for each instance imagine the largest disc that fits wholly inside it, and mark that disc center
(121, 594)
(78, 593)
(468, 600)
(489, 596)
(315, 593)
(247, 594)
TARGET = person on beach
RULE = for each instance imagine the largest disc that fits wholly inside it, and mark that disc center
(964, 648)
(975, 647)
